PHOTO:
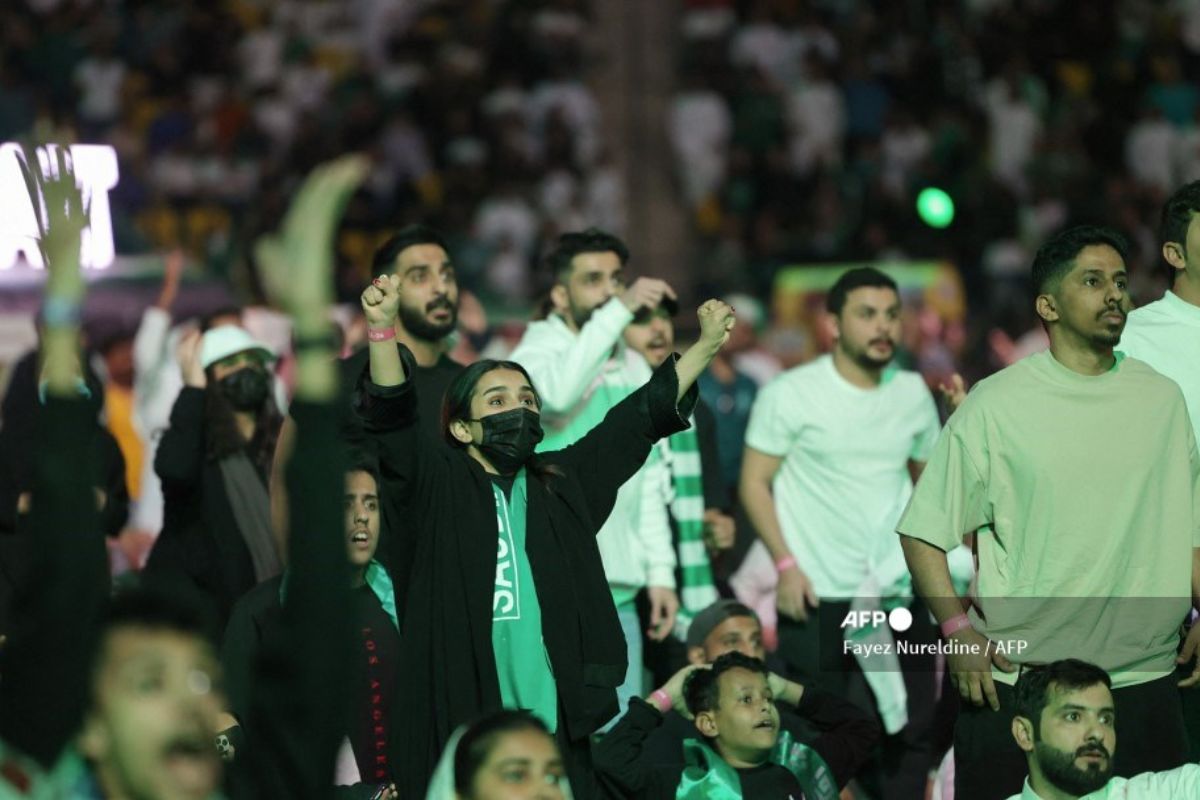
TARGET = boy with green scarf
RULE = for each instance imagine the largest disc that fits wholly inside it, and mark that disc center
(743, 752)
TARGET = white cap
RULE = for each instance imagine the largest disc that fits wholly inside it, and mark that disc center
(227, 340)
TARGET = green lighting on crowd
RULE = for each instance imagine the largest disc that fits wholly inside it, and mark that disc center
(935, 207)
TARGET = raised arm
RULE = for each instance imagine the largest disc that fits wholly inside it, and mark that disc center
(180, 456)
(563, 374)
(618, 757)
(609, 454)
(58, 610)
(291, 743)
(847, 733)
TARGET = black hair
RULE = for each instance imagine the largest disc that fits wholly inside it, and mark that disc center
(1057, 255)
(1033, 685)
(207, 319)
(644, 315)
(852, 279)
(1176, 217)
(456, 404)
(155, 604)
(702, 690)
(358, 461)
(408, 236)
(593, 240)
(477, 743)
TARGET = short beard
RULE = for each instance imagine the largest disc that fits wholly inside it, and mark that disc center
(580, 315)
(1060, 770)
(865, 360)
(419, 327)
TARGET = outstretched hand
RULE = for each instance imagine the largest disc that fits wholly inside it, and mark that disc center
(60, 227)
(296, 263)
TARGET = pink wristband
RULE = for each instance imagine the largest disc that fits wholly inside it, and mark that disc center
(662, 700)
(381, 334)
(785, 563)
(955, 624)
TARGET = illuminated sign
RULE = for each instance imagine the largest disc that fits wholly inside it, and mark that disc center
(96, 173)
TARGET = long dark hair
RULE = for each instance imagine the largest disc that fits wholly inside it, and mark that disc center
(477, 743)
(221, 435)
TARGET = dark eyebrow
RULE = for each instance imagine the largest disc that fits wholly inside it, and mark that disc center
(1077, 707)
(522, 388)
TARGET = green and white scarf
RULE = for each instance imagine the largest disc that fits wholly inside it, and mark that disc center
(707, 776)
(696, 589)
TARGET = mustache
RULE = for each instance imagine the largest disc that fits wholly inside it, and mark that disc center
(439, 302)
(1112, 310)
(1093, 750)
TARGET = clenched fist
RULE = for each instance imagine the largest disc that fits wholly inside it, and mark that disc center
(381, 301)
(716, 321)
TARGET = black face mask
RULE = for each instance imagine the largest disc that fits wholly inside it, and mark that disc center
(510, 437)
(246, 389)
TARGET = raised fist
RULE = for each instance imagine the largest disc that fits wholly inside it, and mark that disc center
(716, 321)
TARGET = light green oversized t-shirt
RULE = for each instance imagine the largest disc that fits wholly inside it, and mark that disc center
(1085, 492)
(522, 663)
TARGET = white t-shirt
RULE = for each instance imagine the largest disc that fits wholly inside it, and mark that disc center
(1166, 335)
(1180, 783)
(844, 479)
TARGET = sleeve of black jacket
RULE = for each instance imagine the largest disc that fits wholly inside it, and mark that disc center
(45, 663)
(180, 455)
(847, 732)
(610, 453)
(297, 713)
(618, 758)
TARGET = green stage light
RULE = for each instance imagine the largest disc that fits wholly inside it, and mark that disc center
(935, 207)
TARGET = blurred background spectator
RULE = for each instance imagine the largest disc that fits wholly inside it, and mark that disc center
(752, 147)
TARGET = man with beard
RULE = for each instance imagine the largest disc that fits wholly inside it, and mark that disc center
(1067, 725)
(579, 362)
(417, 255)
(1077, 468)
(831, 451)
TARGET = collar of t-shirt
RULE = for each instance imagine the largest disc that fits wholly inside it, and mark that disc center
(1054, 369)
(1180, 308)
(771, 782)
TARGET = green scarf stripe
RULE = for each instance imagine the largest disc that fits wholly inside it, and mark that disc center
(687, 509)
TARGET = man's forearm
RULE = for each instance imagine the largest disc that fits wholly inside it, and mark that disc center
(759, 503)
(931, 577)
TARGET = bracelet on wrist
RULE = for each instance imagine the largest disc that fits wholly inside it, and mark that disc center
(59, 312)
(381, 334)
(955, 624)
(662, 700)
(785, 563)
